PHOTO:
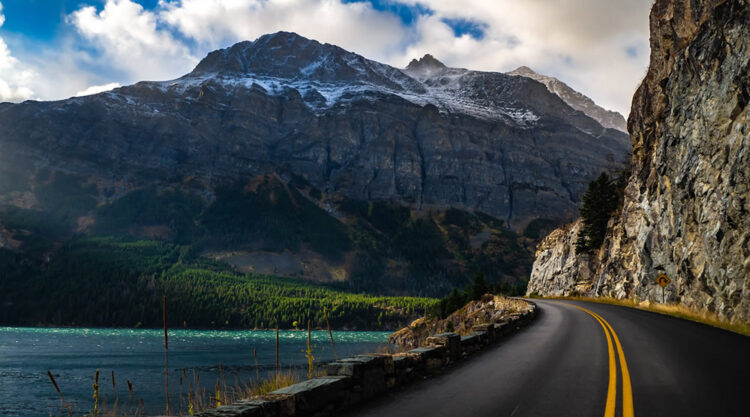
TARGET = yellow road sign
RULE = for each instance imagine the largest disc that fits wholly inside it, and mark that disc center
(663, 280)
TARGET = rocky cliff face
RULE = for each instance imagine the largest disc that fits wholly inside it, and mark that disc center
(350, 126)
(488, 310)
(558, 270)
(687, 204)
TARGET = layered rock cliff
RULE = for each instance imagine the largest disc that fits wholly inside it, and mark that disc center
(687, 204)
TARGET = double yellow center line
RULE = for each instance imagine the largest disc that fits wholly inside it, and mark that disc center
(627, 390)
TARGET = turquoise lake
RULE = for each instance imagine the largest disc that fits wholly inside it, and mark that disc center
(73, 356)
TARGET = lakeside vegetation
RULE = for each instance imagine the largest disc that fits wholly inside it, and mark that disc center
(120, 282)
(189, 397)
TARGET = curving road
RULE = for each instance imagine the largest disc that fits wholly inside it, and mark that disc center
(567, 364)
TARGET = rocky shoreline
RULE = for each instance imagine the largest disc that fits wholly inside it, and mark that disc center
(488, 310)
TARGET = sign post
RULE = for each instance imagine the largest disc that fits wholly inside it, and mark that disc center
(663, 280)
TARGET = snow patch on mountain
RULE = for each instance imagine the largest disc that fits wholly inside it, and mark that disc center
(326, 77)
(285, 61)
(449, 97)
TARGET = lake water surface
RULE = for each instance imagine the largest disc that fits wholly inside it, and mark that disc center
(73, 356)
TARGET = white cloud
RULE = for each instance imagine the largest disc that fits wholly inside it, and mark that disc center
(130, 40)
(168, 42)
(14, 77)
(584, 42)
(95, 89)
(353, 26)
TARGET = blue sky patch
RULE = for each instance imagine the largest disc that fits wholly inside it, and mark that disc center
(466, 27)
(35, 19)
(407, 13)
(41, 19)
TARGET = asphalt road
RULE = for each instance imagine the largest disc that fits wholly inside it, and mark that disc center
(560, 366)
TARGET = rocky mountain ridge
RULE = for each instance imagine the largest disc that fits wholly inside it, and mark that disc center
(350, 126)
(576, 100)
(325, 75)
(686, 205)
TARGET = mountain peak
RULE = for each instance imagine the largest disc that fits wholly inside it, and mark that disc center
(427, 62)
(282, 39)
(284, 57)
(282, 34)
(270, 52)
(425, 67)
(523, 70)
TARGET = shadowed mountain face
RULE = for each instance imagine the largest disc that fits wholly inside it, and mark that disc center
(427, 136)
(284, 156)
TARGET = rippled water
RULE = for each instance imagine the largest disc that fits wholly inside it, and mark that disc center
(73, 355)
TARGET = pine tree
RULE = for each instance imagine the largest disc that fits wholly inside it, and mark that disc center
(600, 200)
(480, 286)
(454, 302)
(581, 243)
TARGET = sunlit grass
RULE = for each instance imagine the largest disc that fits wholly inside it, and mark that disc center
(674, 310)
(192, 397)
(281, 380)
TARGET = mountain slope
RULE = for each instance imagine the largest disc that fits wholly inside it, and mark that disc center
(576, 100)
(285, 155)
(686, 204)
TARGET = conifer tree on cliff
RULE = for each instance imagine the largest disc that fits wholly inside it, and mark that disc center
(599, 201)
(454, 301)
(480, 286)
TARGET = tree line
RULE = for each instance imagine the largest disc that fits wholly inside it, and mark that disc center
(120, 282)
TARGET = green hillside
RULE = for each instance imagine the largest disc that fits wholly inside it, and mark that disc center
(120, 282)
(80, 257)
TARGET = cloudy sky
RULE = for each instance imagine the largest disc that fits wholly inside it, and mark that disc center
(52, 49)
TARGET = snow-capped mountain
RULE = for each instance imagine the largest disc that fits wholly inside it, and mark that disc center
(326, 75)
(426, 135)
(576, 100)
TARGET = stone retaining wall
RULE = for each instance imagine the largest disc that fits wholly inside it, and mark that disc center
(360, 378)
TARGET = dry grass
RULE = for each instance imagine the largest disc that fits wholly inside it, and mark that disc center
(198, 399)
(388, 349)
(674, 310)
(282, 380)
(192, 397)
